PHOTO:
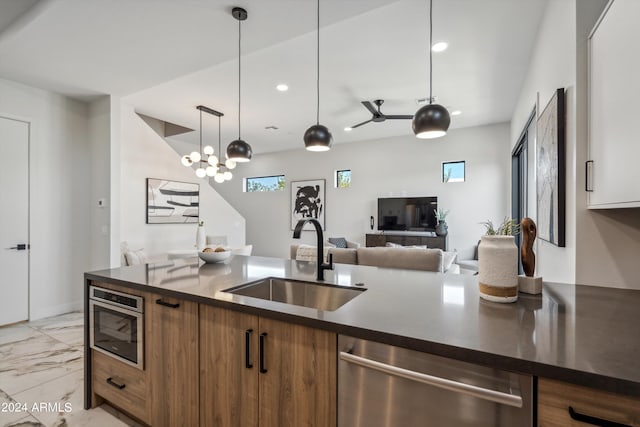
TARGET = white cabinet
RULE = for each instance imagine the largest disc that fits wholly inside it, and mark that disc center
(613, 173)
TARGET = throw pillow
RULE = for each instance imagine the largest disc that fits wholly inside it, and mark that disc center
(393, 245)
(135, 257)
(448, 259)
(339, 242)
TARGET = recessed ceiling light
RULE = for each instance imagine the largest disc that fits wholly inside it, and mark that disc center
(456, 113)
(348, 129)
(439, 47)
(282, 87)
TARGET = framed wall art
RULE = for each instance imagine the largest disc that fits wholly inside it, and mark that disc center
(307, 201)
(550, 169)
(172, 202)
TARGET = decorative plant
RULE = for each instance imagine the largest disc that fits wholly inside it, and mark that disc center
(201, 223)
(441, 215)
(509, 227)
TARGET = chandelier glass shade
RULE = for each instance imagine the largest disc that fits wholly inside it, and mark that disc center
(208, 164)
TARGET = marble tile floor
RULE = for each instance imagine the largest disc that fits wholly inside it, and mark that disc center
(41, 376)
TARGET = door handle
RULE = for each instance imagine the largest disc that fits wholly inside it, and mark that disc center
(247, 348)
(444, 383)
(111, 382)
(263, 369)
(167, 304)
(593, 420)
(20, 247)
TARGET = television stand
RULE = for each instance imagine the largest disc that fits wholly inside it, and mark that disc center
(408, 239)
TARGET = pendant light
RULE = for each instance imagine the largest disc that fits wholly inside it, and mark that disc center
(239, 150)
(318, 137)
(203, 159)
(432, 120)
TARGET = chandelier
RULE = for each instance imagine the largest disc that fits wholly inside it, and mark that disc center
(206, 162)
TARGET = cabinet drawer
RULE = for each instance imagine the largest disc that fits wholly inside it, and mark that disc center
(555, 398)
(110, 374)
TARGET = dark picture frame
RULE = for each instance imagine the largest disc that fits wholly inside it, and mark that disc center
(172, 202)
(551, 171)
(308, 201)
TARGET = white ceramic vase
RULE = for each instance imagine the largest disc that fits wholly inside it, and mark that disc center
(201, 238)
(498, 268)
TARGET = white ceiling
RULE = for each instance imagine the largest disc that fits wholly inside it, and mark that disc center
(167, 56)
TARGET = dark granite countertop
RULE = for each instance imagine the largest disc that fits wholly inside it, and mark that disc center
(581, 334)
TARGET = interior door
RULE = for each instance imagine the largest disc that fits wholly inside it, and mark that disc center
(14, 221)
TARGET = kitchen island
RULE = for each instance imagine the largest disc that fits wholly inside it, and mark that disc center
(580, 335)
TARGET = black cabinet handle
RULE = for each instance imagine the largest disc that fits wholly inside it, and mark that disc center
(247, 348)
(593, 420)
(115, 384)
(262, 339)
(167, 304)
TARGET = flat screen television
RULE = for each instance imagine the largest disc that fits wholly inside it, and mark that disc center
(407, 213)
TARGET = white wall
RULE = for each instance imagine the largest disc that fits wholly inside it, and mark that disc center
(143, 153)
(59, 196)
(601, 246)
(553, 66)
(380, 168)
(99, 125)
(607, 241)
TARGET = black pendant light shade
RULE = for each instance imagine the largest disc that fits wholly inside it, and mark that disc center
(431, 121)
(318, 138)
(239, 151)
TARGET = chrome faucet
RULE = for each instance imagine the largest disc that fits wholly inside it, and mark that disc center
(320, 249)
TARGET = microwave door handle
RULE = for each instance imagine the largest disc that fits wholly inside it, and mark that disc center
(455, 386)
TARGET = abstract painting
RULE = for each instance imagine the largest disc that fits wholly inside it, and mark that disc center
(172, 202)
(307, 201)
(550, 168)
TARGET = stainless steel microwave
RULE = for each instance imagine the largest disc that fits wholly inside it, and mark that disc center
(116, 325)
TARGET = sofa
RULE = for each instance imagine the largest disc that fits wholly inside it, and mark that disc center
(389, 257)
(467, 259)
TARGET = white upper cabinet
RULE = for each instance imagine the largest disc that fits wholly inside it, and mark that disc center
(613, 172)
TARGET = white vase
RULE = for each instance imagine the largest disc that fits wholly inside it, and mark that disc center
(201, 238)
(498, 268)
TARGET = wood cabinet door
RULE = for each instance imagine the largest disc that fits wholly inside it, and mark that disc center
(299, 386)
(555, 399)
(173, 361)
(228, 373)
(372, 240)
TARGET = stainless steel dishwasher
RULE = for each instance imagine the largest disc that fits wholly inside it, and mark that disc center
(382, 385)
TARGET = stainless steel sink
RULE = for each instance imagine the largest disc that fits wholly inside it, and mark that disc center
(307, 294)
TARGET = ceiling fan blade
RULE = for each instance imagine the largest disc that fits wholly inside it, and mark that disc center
(369, 106)
(360, 124)
(401, 116)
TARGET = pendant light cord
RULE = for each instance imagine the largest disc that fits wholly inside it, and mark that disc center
(239, 71)
(219, 137)
(200, 131)
(318, 64)
(430, 52)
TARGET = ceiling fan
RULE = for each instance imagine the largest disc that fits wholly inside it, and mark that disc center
(377, 114)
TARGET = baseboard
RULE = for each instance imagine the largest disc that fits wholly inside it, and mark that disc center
(56, 310)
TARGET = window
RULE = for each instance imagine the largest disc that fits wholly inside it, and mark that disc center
(343, 178)
(264, 183)
(453, 171)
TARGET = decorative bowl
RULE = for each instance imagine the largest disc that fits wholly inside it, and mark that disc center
(213, 257)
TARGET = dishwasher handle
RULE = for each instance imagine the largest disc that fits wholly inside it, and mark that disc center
(471, 390)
